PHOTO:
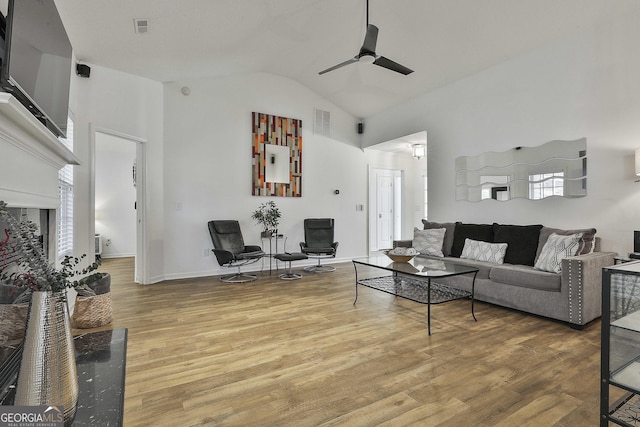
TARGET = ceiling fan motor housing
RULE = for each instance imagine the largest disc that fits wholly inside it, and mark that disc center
(368, 54)
(366, 57)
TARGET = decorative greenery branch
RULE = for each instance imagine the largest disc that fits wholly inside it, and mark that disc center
(31, 268)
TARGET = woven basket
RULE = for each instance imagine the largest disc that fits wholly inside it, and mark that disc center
(92, 312)
(13, 321)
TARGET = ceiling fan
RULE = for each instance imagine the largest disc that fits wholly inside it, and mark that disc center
(367, 53)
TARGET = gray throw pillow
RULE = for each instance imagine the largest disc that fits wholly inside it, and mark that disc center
(556, 249)
(587, 245)
(429, 242)
(447, 244)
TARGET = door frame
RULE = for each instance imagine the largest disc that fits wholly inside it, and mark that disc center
(141, 271)
(396, 215)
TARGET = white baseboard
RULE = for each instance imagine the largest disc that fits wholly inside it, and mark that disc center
(249, 268)
(106, 256)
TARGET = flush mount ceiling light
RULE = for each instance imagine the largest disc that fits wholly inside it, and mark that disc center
(418, 151)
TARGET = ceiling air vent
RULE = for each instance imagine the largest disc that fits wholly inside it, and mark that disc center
(322, 125)
(141, 26)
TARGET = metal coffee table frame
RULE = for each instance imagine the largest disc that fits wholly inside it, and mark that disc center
(413, 280)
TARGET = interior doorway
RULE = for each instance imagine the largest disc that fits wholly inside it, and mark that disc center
(397, 189)
(385, 207)
(119, 194)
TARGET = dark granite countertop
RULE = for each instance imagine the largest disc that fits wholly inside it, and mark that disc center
(101, 365)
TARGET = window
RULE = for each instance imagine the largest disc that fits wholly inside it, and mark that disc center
(65, 192)
(546, 185)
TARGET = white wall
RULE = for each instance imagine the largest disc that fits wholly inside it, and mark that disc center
(207, 168)
(585, 85)
(199, 163)
(115, 195)
(129, 105)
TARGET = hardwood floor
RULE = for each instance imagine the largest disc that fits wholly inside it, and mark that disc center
(299, 353)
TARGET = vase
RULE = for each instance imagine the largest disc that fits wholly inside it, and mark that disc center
(47, 374)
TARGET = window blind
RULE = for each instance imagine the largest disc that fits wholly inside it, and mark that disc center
(65, 192)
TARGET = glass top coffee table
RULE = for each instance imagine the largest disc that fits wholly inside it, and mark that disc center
(413, 280)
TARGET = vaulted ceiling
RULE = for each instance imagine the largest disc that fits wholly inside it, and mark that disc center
(441, 40)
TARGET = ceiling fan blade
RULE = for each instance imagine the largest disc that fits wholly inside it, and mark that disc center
(370, 40)
(342, 64)
(391, 65)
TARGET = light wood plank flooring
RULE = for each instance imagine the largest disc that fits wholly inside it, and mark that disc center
(299, 353)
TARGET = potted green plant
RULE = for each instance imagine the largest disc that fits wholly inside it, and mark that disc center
(268, 216)
(48, 355)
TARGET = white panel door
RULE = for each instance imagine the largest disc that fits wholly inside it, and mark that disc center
(384, 210)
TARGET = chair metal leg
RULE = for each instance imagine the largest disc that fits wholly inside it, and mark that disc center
(238, 277)
(319, 268)
(289, 274)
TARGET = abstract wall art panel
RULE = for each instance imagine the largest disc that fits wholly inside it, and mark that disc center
(276, 148)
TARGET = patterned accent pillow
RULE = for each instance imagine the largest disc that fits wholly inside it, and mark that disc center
(429, 242)
(484, 251)
(588, 244)
(556, 249)
(448, 235)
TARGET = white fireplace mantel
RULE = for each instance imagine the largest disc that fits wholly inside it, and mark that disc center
(30, 158)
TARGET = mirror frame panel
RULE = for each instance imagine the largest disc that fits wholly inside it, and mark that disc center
(508, 174)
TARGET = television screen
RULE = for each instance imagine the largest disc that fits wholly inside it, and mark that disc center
(37, 61)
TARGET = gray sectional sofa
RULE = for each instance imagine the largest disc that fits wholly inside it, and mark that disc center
(572, 295)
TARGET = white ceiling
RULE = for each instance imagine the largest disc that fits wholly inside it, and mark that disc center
(442, 40)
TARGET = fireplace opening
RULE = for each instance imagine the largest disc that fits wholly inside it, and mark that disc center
(44, 219)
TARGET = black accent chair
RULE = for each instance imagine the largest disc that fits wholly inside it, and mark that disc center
(318, 242)
(231, 251)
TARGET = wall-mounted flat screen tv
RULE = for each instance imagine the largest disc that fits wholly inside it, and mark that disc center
(36, 60)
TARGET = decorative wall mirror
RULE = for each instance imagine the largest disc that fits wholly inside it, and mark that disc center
(557, 168)
(277, 155)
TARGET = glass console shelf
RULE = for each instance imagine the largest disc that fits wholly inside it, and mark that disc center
(620, 346)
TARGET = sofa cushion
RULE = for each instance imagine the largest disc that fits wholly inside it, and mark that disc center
(522, 241)
(483, 267)
(429, 242)
(556, 249)
(526, 277)
(448, 234)
(588, 238)
(482, 232)
(484, 251)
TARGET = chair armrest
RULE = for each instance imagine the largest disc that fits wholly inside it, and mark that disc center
(250, 253)
(252, 248)
(223, 257)
(582, 275)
